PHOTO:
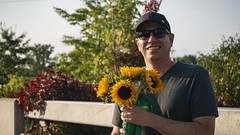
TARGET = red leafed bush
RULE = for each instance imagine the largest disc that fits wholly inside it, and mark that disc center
(54, 85)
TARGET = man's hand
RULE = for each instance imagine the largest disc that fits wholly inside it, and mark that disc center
(136, 115)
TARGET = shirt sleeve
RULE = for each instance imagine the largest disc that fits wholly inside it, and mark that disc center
(203, 101)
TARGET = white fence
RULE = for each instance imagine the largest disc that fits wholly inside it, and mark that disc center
(92, 113)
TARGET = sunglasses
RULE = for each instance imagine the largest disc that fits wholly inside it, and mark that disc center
(157, 33)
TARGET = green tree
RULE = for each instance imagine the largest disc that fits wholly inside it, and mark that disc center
(191, 59)
(19, 61)
(13, 50)
(223, 65)
(39, 56)
(106, 40)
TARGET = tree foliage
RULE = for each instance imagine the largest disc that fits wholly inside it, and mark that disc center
(223, 65)
(39, 58)
(19, 61)
(191, 59)
(17, 57)
(106, 40)
(12, 86)
(13, 50)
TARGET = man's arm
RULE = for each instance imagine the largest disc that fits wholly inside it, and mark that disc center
(199, 126)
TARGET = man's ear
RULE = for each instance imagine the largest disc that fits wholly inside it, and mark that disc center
(171, 37)
(135, 41)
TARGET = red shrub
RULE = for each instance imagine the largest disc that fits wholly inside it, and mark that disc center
(54, 86)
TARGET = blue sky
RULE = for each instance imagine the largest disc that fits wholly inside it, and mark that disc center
(198, 25)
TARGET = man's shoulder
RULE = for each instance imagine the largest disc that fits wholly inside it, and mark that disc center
(189, 69)
(188, 66)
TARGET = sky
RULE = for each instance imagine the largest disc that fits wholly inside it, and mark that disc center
(198, 25)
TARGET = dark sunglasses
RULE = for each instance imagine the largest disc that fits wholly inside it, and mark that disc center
(157, 33)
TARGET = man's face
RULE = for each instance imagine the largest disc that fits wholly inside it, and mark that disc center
(155, 46)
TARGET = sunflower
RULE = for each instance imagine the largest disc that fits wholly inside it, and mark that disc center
(131, 71)
(123, 93)
(102, 87)
(153, 82)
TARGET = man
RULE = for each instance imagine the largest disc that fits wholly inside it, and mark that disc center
(187, 104)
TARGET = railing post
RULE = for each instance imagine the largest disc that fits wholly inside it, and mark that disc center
(19, 119)
(11, 117)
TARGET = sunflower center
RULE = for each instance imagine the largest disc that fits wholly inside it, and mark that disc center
(154, 85)
(124, 92)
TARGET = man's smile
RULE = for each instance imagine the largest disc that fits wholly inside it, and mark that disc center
(151, 47)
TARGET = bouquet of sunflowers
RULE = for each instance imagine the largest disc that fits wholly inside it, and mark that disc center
(131, 86)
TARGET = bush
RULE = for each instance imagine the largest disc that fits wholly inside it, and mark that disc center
(13, 84)
(56, 86)
(223, 66)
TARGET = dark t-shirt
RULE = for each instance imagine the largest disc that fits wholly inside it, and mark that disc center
(187, 94)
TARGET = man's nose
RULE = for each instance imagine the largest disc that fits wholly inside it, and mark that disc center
(151, 37)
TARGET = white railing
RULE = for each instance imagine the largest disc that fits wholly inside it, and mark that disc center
(91, 113)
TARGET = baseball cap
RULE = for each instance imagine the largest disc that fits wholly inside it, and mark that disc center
(153, 17)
